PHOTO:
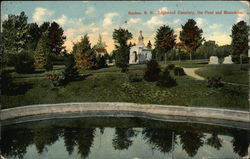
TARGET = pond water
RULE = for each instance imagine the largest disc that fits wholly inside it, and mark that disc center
(121, 138)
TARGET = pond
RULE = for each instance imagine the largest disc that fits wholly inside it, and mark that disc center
(121, 138)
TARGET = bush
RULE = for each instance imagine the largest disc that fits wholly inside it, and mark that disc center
(134, 77)
(24, 63)
(70, 73)
(178, 71)
(166, 80)
(49, 63)
(152, 72)
(101, 62)
(236, 59)
(170, 66)
(56, 79)
(6, 82)
(215, 82)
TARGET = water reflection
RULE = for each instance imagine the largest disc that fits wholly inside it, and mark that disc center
(78, 136)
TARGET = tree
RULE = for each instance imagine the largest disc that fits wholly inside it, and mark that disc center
(191, 36)
(165, 79)
(83, 53)
(164, 40)
(15, 33)
(34, 34)
(240, 34)
(41, 56)
(44, 27)
(70, 73)
(121, 36)
(149, 45)
(56, 38)
(152, 72)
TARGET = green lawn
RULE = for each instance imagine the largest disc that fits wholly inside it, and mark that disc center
(228, 73)
(109, 85)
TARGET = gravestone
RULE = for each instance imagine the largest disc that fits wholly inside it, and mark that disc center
(228, 60)
(213, 60)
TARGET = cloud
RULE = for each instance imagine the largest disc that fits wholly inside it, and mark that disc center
(155, 21)
(62, 20)
(176, 21)
(90, 11)
(242, 16)
(245, 3)
(41, 14)
(108, 18)
(214, 26)
(165, 9)
(219, 37)
(200, 22)
(133, 20)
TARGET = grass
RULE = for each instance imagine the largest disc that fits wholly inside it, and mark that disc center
(228, 73)
(109, 85)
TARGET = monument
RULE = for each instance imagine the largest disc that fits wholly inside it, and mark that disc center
(139, 53)
(213, 60)
(228, 60)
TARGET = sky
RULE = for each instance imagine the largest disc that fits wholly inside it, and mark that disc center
(102, 17)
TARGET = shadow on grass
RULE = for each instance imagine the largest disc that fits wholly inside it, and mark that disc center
(17, 89)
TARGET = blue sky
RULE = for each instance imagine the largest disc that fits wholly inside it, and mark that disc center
(100, 17)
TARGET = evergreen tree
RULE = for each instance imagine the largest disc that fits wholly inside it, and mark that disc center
(121, 36)
(152, 72)
(164, 40)
(15, 33)
(191, 36)
(240, 34)
(165, 79)
(41, 56)
(83, 53)
(70, 73)
(149, 45)
(34, 34)
(44, 27)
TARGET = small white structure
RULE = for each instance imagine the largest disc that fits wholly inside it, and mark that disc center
(228, 60)
(139, 53)
(213, 60)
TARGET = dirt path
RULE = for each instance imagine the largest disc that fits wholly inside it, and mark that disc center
(191, 72)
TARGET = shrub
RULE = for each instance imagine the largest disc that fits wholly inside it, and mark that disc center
(56, 79)
(70, 72)
(236, 59)
(214, 82)
(166, 80)
(170, 66)
(101, 62)
(178, 71)
(152, 72)
(134, 77)
(49, 63)
(24, 63)
(6, 82)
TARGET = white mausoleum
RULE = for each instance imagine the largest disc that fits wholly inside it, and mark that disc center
(139, 53)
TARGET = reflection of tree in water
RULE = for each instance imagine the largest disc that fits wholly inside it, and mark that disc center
(45, 136)
(122, 139)
(214, 141)
(191, 142)
(241, 142)
(15, 143)
(85, 140)
(70, 137)
(160, 138)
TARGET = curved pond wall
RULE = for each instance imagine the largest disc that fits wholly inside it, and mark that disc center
(225, 117)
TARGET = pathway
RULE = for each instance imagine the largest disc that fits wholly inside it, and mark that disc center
(191, 72)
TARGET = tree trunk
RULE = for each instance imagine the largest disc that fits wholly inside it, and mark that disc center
(165, 58)
(190, 55)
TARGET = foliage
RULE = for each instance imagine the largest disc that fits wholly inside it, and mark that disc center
(55, 79)
(170, 66)
(152, 72)
(164, 39)
(149, 45)
(236, 59)
(56, 38)
(121, 36)
(191, 36)
(70, 72)
(240, 34)
(34, 33)
(214, 82)
(101, 62)
(134, 77)
(24, 63)
(179, 71)
(15, 33)
(83, 53)
(166, 80)
(6, 82)
(42, 52)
